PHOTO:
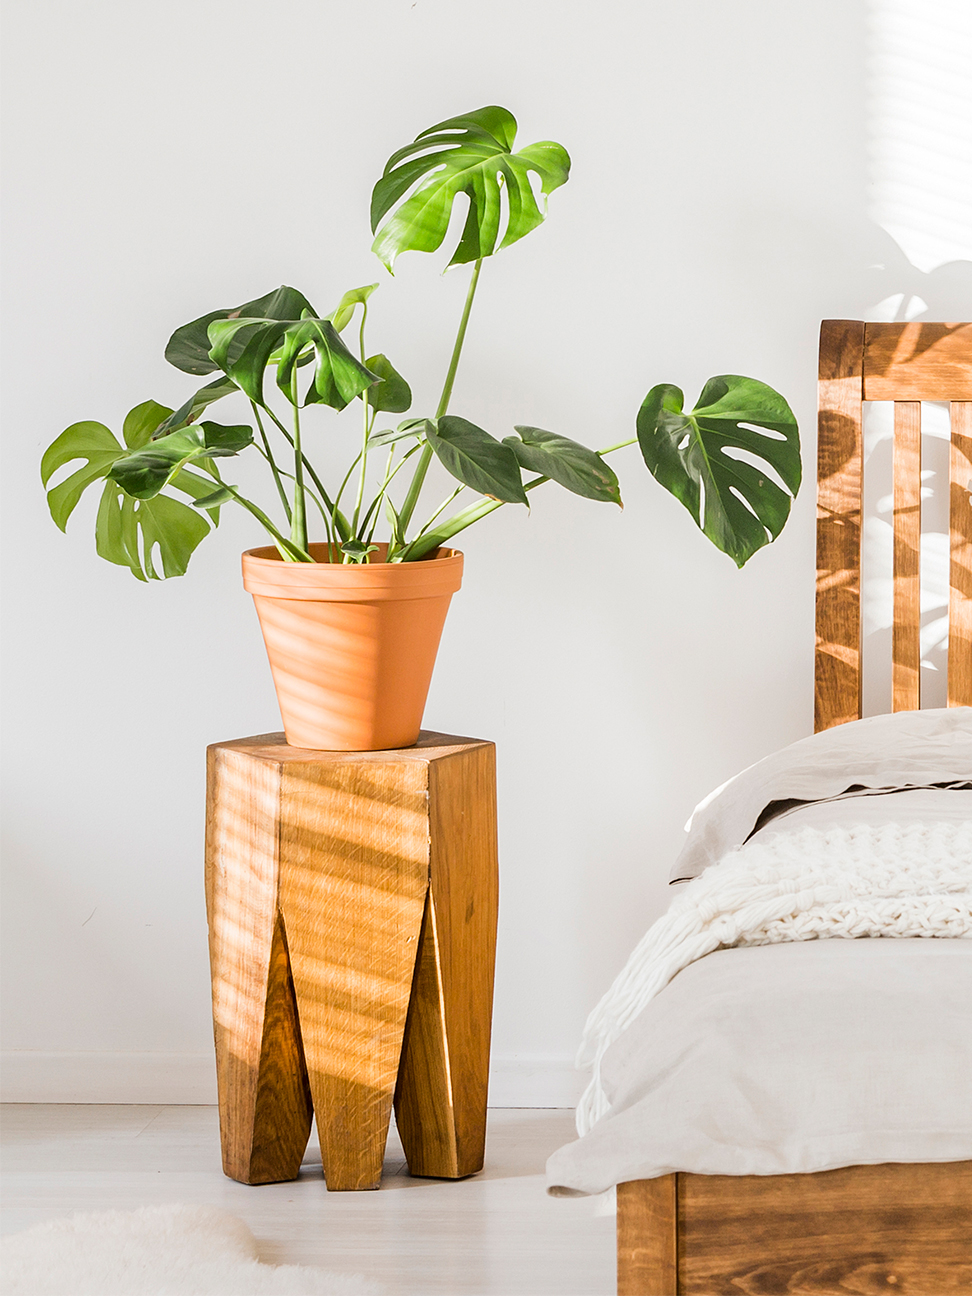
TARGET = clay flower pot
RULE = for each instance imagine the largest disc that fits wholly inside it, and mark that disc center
(351, 647)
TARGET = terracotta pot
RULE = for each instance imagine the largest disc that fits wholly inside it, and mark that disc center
(351, 647)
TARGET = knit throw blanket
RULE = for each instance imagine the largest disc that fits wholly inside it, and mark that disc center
(863, 880)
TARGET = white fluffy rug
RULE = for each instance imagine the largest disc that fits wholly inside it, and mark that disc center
(157, 1251)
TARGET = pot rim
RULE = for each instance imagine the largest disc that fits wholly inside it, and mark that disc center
(267, 575)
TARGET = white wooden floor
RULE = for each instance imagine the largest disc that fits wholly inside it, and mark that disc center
(496, 1234)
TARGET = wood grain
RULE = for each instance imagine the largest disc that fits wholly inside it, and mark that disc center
(837, 694)
(918, 361)
(318, 884)
(903, 1228)
(263, 1094)
(647, 1237)
(441, 1100)
(906, 631)
(354, 870)
(960, 567)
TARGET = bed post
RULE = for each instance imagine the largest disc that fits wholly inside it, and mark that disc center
(648, 1237)
(840, 471)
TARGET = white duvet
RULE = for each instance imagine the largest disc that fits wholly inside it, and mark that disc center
(878, 880)
(788, 1059)
(844, 866)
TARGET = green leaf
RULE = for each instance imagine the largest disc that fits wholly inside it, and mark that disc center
(395, 522)
(142, 421)
(471, 154)
(736, 504)
(222, 495)
(246, 365)
(338, 376)
(116, 536)
(393, 394)
(175, 528)
(476, 459)
(128, 531)
(199, 488)
(200, 400)
(92, 442)
(410, 428)
(188, 347)
(566, 462)
(143, 473)
(340, 317)
(358, 550)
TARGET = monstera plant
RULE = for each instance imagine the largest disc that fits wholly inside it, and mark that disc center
(733, 461)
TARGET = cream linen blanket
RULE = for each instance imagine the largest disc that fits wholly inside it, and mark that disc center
(899, 880)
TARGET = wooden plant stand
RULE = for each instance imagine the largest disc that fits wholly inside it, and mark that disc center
(352, 901)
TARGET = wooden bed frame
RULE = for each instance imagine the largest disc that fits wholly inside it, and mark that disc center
(905, 1228)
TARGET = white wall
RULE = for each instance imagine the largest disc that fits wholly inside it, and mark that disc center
(164, 160)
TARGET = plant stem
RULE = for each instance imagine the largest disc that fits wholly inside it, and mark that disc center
(389, 478)
(340, 521)
(312, 495)
(426, 541)
(365, 431)
(620, 446)
(424, 544)
(359, 498)
(289, 551)
(298, 528)
(460, 338)
(373, 506)
(347, 477)
(272, 462)
(442, 507)
(422, 467)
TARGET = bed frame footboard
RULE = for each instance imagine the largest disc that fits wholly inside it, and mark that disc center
(885, 1228)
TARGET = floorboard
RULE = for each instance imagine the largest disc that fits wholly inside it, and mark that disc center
(496, 1234)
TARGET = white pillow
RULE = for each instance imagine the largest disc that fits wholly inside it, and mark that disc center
(907, 749)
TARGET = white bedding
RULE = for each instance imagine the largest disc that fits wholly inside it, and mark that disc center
(789, 1058)
(818, 1058)
(847, 880)
(881, 753)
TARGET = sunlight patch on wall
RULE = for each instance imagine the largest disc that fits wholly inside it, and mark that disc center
(920, 193)
(920, 135)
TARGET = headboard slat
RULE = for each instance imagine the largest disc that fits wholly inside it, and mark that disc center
(839, 482)
(906, 632)
(960, 566)
(907, 364)
(917, 361)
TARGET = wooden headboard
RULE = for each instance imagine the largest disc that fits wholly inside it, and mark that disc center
(904, 363)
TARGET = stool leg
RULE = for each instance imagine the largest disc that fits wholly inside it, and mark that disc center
(264, 1098)
(354, 872)
(440, 1102)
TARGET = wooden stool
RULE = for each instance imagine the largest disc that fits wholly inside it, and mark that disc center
(352, 902)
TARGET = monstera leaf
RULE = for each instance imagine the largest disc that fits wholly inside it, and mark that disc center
(476, 459)
(188, 347)
(392, 395)
(697, 457)
(340, 317)
(146, 471)
(93, 443)
(473, 155)
(338, 377)
(200, 400)
(130, 529)
(566, 462)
